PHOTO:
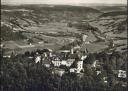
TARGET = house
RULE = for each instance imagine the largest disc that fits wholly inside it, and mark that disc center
(38, 59)
(58, 71)
(77, 66)
(88, 42)
(2, 45)
(76, 63)
(77, 47)
(122, 74)
(124, 84)
(64, 52)
(45, 54)
(83, 57)
(41, 42)
(7, 56)
(50, 54)
(63, 59)
(56, 61)
(72, 70)
(105, 79)
(43, 60)
(69, 62)
(46, 63)
(98, 72)
(30, 57)
(84, 38)
(95, 64)
(50, 50)
(64, 62)
(59, 62)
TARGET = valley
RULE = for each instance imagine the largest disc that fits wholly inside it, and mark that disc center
(49, 26)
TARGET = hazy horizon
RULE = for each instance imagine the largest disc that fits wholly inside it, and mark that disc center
(63, 1)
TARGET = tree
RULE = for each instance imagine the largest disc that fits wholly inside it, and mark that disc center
(27, 54)
(90, 59)
(64, 67)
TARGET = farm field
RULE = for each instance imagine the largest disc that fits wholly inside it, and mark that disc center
(53, 30)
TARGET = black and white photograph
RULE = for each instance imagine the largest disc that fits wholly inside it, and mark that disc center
(63, 45)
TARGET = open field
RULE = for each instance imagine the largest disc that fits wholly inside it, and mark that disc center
(94, 48)
(51, 29)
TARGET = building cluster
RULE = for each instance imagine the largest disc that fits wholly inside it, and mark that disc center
(66, 61)
(61, 59)
(71, 60)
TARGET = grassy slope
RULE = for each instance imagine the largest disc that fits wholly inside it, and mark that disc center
(56, 13)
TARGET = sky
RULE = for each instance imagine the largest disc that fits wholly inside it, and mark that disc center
(62, 1)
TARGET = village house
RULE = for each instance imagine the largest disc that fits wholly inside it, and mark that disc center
(46, 62)
(77, 47)
(41, 54)
(84, 38)
(64, 62)
(105, 79)
(78, 68)
(83, 57)
(63, 59)
(58, 71)
(2, 45)
(6, 56)
(57, 62)
(38, 59)
(122, 74)
(69, 62)
(30, 57)
(78, 62)
(98, 72)
(64, 52)
(43, 60)
(95, 64)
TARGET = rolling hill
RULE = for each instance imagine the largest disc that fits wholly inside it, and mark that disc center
(48, 24)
